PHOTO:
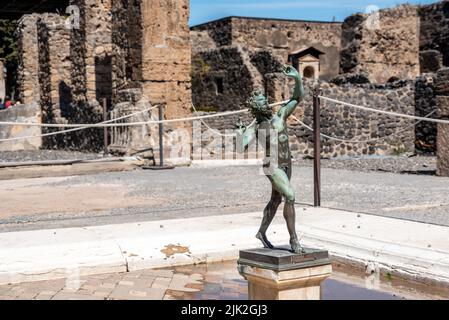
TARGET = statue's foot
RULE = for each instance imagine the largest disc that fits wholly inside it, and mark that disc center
(296, 246)
(262, 237)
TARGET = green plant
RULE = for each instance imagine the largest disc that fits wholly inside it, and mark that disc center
(200, 68)
(8, 42)
(9, 51)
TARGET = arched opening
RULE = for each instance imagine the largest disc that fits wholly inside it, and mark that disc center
(309, 72)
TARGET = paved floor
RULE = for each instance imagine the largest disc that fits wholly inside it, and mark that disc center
(219, 281)
(186, 192)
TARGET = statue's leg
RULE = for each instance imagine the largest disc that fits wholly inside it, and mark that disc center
(268, 215)
(282, 184)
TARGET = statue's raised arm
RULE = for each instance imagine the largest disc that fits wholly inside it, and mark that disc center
(298, 93)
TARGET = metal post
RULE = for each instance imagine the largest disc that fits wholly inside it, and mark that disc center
(161, 136)
(105, 129)
(316, 149)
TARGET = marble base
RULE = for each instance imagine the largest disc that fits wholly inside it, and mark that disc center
(278, 274)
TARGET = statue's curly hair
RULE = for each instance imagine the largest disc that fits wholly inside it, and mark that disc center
(253, 106)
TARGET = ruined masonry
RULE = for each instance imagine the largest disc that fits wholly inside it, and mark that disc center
(388, 60)
(121, 50)
(134, 54)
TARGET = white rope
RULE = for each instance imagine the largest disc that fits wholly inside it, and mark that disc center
(395, 114)
(104, 125)
(216, 131)
(76, 129)
(362, 141)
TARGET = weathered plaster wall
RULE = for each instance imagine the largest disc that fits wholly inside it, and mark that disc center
(284, 37)
(23, 113)
(166, 55)
(383, 48)
(279, 36)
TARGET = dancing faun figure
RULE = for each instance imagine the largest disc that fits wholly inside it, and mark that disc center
(271, 130)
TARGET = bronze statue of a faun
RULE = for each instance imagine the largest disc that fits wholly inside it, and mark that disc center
(271, 130)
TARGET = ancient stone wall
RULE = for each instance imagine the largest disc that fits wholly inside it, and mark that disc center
(78, 57)
(434, 36)
(24, 113)
(211, 35)
(91, 70)
(442, 91)
(374, 134)
(283, 37)
(222, 80)
(127, 45)
(92, 47)
(383, 45)
(425, 106)
(279, 36)
(28, 80)
(54, 74)
(166, 55)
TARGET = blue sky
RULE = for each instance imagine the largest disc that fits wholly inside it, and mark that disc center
(324, 10)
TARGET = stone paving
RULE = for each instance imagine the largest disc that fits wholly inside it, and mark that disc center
(218, 281)
(203, 282)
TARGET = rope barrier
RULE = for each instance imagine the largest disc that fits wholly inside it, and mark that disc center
(216, 131)
(362, 141)
(395, 114)
(104, 125)
(76, 129)
(108, 124)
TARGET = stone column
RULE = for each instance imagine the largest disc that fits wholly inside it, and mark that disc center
(54, 67)
(166, 55)
(2, 79)
(442, 91)
(28, 69)
(278, 274)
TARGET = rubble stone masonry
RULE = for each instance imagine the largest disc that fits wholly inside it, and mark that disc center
(281, 37)
(383, 45)
(28, 79)
(442, 89)
(372, 133)
(434, 36)
(54, 73)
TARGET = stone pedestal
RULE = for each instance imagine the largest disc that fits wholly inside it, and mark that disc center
(278, 274)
